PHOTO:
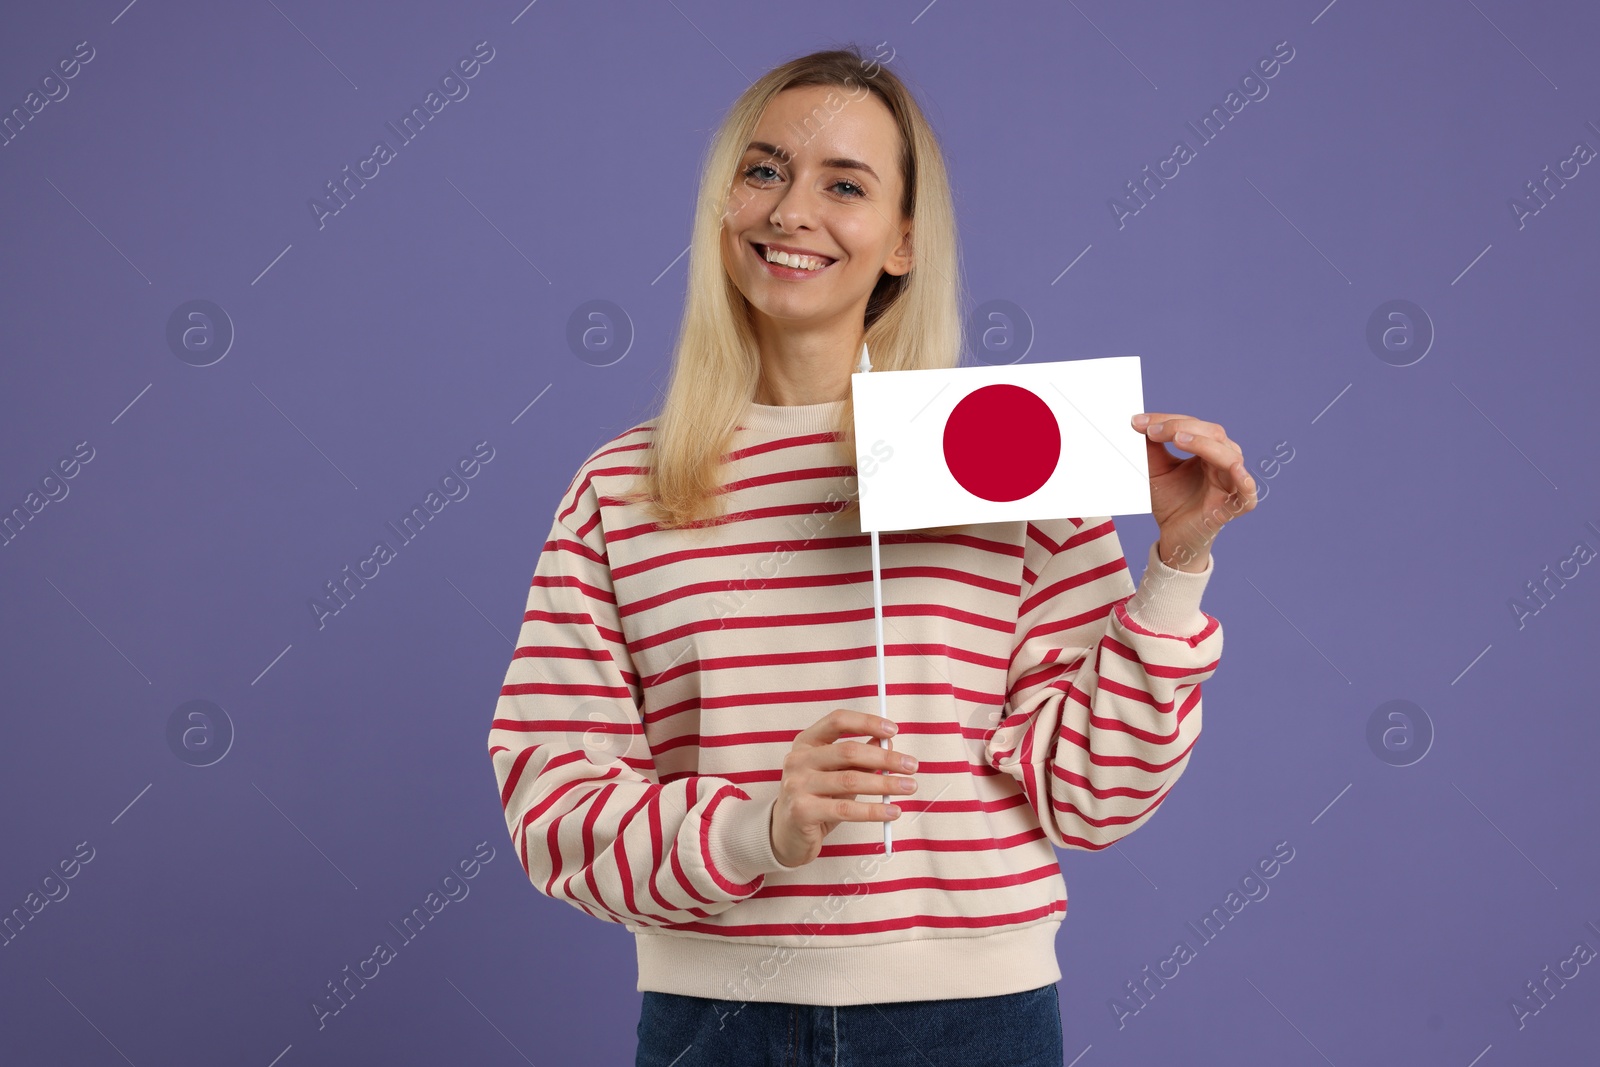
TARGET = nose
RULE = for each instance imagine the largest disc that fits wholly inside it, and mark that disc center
(794, 210)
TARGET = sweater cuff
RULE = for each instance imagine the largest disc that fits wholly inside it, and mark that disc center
(1168, 600)
(741, 839)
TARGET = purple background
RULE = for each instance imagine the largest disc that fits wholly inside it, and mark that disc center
(432, 312)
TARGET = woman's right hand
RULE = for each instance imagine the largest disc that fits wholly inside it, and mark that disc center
(822, 777)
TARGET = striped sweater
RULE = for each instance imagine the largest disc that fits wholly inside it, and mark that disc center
(660, 676)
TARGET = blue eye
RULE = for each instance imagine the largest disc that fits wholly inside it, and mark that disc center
(855, 190)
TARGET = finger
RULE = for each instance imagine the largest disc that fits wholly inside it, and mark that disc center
(1167, 427)
(1227, 463)
(1215, 454)
(843, 722)
(844, 754)
(816, 809)
(1244, 485)
(851, 783)
(1158, 422)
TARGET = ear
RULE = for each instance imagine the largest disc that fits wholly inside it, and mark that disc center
(901, 260)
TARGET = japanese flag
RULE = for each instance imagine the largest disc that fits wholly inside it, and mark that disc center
(995, 444)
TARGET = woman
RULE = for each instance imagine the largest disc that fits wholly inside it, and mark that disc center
(672, 742)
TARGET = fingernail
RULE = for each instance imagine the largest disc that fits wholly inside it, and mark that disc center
(892, 729)
(908, 763)
(1184, 438)
(1155, 427)
(1139, 421)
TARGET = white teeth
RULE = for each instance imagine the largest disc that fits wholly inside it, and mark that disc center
(802, 262)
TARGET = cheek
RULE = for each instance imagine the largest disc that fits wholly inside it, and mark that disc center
(743, 209)
(861, 241)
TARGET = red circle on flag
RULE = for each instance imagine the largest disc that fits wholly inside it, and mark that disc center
(1001, 442)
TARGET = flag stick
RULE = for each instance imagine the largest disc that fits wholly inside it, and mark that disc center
(883, 685)
(863, 367)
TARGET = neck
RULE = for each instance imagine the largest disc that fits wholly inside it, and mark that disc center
(806, 366)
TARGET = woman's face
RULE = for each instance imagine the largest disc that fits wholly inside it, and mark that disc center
(821, 175)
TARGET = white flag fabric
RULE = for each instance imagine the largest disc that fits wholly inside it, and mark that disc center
(996, 444)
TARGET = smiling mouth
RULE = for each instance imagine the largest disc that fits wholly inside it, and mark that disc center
(761, 254)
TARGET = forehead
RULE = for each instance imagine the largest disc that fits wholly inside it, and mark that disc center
(829, 120)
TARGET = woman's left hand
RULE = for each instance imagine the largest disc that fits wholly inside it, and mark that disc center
(1192, 498)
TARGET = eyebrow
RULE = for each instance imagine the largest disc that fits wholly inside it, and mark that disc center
(835, 163)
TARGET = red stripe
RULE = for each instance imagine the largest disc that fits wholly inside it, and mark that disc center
(820, 618)
(624, 869)
(899, 885)
(552, 833)
(1037, 535)
(655, 851)
(1132, 695)
(757, 583)
(570, 726)
(590, 473)
(762, 448)
(822, 696)
(805, 507)
(1155, 670)
(514, 775)
(774, 775)
(565, 689)
(769, 659)
(946, 807)
(595, 655)
(1084, 785)
(586, 863)
(781, 477)
(676, 859)
(582, 618)
(639, 448)
(934, 844)
(1084, 534)
(577, 548)
(908, 922)
(743, 548)
(582, 530)
(567, 581)
(816, 544)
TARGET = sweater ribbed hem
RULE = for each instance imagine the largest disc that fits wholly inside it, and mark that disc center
(792, 418)
(927, 968)
(1168, 599)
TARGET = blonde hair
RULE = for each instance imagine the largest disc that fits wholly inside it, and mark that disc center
(912, 321)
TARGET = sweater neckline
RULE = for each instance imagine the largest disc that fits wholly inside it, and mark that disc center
(792, 418)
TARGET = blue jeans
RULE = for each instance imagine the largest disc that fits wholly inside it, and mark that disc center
(1013, 1030)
